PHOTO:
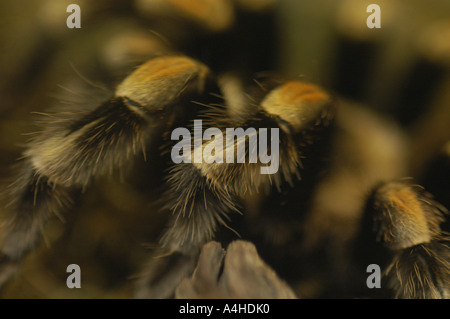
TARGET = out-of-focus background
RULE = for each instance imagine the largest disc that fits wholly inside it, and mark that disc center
(400, 72)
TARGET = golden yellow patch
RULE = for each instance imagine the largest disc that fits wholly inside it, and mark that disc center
(162, 79)
(294, 92)
(162, 68)
(407, 218)
(298, 103)
(405, 200)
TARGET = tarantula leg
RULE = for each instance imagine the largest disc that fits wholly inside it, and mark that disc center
(75, 146)
(407, 225)
(66, 154)
(421, 272)
(198, 208)
(202, 194)
(33, 201)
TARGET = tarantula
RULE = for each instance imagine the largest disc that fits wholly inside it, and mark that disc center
(324, 215)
